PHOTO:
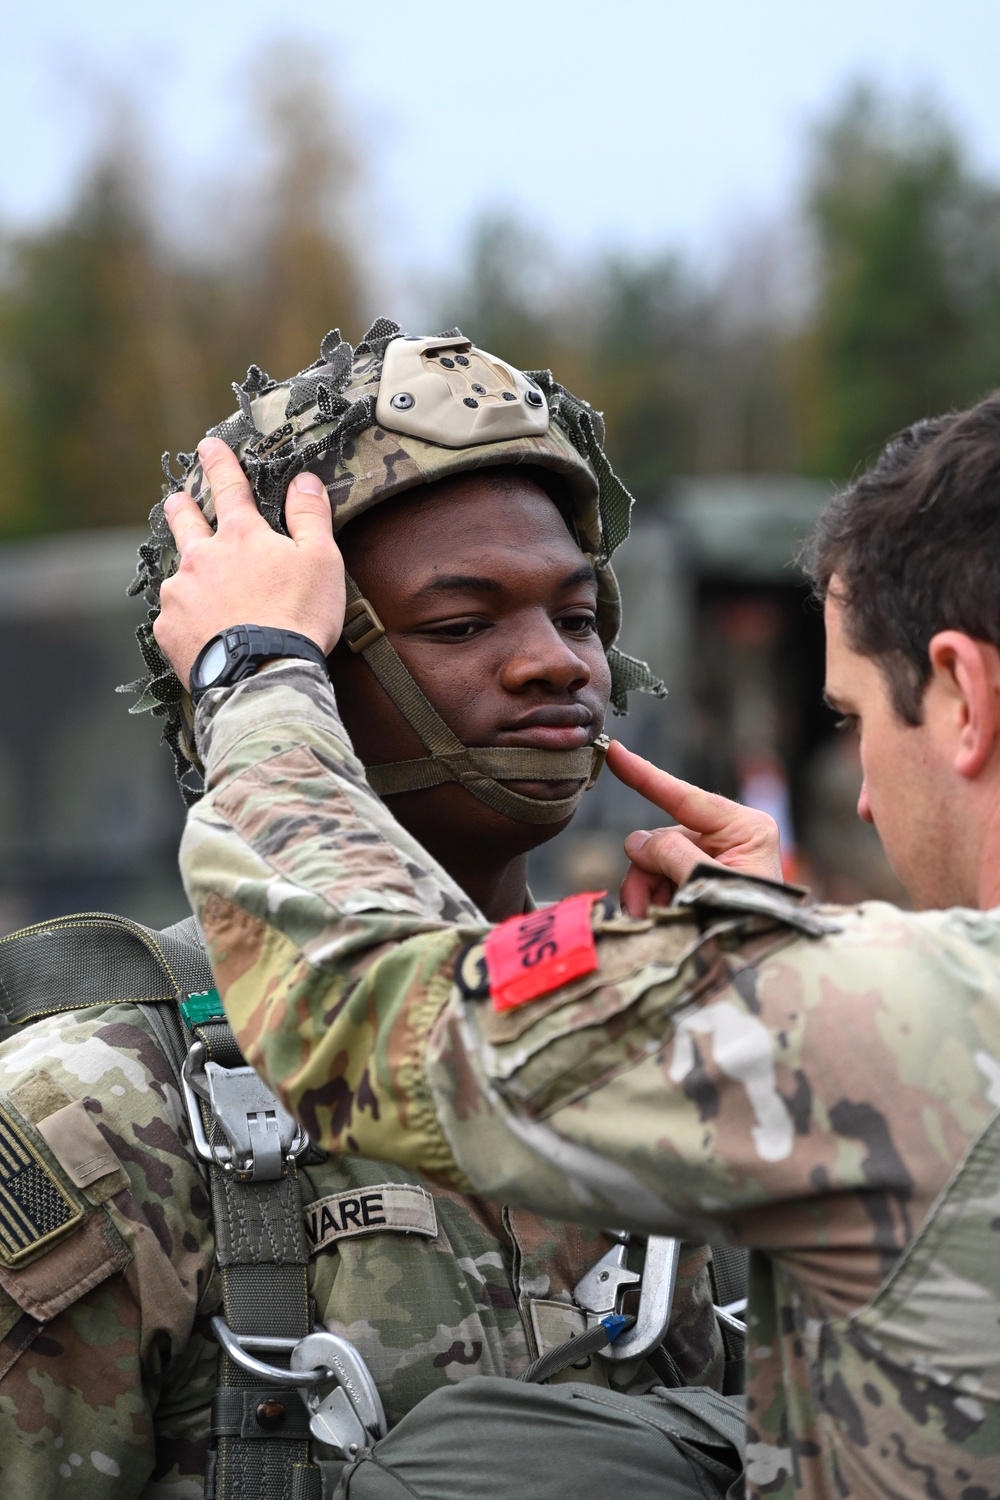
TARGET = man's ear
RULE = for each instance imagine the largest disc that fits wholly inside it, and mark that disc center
(966, 672)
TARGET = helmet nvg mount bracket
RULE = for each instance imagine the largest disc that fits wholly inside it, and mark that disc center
(445, 391)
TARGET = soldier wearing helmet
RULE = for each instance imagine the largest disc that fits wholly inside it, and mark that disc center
(478, 513)
(397, 414)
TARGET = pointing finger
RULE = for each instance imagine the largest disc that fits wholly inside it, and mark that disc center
(185, 519)
(230, 487)
(699, 810)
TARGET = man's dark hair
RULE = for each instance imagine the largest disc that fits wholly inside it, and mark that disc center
(915, 546)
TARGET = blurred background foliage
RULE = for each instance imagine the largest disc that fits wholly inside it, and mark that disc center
(734, 394)
(120, 332)
(121, 327)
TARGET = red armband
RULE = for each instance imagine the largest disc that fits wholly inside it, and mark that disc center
(529, 956)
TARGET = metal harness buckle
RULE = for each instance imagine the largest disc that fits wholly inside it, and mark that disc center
(351, 1417)
(600, 1291)
(260, 1134)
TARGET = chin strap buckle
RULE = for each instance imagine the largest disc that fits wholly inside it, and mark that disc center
(251, 1133)
(599, 754)
(362, 626)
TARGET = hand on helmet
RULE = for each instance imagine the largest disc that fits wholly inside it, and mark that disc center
(245, 572)
(711, 830)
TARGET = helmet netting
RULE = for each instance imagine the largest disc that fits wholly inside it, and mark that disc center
(271, 462)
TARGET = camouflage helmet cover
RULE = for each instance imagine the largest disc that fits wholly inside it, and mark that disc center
(338, 419)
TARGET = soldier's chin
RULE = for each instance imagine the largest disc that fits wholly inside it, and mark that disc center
(545, 791)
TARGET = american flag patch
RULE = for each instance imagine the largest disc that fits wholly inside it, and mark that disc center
(35, 1208)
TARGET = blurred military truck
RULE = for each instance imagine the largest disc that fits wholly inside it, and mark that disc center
(90, 817)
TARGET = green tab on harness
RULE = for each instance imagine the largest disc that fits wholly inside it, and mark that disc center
(206, 1006)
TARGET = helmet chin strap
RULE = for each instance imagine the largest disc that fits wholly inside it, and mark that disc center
(480, 771)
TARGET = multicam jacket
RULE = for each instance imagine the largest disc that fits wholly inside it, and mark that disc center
(108, 1274)
(822, 1086)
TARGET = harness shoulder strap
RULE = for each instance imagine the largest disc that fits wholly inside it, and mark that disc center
(96, 959)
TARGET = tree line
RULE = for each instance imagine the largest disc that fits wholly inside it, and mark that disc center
(879, 302)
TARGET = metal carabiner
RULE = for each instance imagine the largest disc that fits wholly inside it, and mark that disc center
(351, 1417)
(599, 1293)
(237, 1344)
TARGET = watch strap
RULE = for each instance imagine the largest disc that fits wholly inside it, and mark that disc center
(246, 648)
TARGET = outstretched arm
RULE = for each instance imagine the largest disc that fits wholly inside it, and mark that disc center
(662, 1087)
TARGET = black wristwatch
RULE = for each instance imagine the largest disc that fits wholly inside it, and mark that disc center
(237, 653)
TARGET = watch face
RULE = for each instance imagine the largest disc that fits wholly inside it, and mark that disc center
(212, 665)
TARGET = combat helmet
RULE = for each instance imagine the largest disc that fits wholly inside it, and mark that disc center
(372, 422)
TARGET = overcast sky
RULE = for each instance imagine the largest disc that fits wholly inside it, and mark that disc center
(636, 124)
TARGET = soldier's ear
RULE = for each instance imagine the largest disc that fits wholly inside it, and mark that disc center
(963, 698)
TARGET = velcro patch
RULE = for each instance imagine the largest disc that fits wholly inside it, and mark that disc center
(398, 1206)
(530, 955)
(77, 1144)
(35, 1208)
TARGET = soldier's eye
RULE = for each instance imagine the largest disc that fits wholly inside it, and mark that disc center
(458, 630)
(580, 624)
(847, 724)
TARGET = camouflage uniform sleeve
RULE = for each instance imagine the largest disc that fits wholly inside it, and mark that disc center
(298, 872)
(687, 1084)
(106, 1258)
(391, 889)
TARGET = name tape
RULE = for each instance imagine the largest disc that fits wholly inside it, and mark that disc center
(528, 956)
(397, 1206)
